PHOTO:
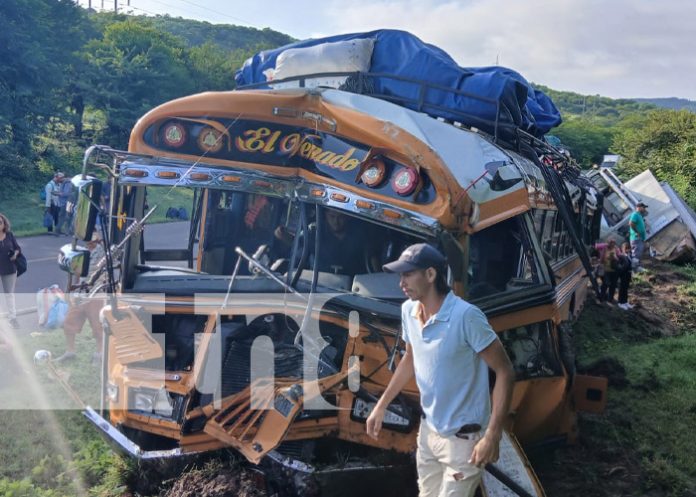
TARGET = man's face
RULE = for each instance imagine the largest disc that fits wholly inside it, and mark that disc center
(416, 284)
(336, 221)
(643, 211)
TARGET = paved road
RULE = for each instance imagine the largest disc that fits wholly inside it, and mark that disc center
(42, 252)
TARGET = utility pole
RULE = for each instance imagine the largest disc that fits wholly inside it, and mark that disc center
(115, 6)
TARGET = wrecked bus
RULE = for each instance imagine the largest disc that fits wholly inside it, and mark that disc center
(298, 197)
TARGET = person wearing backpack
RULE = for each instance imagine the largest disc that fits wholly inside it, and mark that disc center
(9, 251)
(624, 270)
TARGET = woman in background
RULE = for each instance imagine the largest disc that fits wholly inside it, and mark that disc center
(9, 250)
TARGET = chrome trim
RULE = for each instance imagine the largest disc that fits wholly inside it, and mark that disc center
(124, 445)
(292, 188)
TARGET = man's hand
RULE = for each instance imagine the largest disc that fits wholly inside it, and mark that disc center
(485, 451)
(374, 422)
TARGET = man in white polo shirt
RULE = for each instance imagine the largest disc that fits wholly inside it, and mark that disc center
(449, 348)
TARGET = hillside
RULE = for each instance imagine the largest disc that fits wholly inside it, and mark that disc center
(602, 110)
(670, 103)
(226, 36)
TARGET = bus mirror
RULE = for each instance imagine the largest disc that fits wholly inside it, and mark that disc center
(87, 207)
(74, 260)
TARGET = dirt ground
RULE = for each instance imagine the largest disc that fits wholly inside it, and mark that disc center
(596, 466)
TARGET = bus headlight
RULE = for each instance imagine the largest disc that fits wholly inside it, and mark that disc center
(151, 401)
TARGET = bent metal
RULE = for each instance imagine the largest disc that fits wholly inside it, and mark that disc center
(271, 329)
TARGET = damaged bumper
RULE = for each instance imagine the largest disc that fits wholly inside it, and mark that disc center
(122, 444)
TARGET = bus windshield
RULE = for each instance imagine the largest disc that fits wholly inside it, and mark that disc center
(287, 237)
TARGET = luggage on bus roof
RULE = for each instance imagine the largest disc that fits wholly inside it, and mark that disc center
(497, 91)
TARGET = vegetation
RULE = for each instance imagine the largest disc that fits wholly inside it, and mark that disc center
(663, 141)
(641, 445)
(670, 103)
(70, 79)
(647, 137)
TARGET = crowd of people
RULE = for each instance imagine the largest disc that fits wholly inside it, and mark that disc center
(60, 198)
(614, 264)
(80, 310)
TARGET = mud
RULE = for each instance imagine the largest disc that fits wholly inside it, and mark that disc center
(221, 482)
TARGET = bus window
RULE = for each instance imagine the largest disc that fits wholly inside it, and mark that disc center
(501, 260)
(245, 220)
(531, 351)
(547, 236)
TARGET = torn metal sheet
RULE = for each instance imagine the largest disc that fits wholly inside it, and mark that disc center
(670, 224)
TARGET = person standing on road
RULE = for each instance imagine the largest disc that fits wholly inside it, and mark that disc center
(637, 234)
(65, 200)
(9, 250)
(52, 204)
(449, 348)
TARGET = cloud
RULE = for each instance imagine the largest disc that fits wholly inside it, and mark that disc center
(622, 48)
(616, 48)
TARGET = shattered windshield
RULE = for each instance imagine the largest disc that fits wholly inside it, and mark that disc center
(288, 237)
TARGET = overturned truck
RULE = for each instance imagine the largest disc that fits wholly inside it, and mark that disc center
(272, 329)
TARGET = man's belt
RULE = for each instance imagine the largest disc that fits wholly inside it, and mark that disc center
(467, 430)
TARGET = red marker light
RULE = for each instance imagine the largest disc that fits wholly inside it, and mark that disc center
(174, 135)
(405, 181)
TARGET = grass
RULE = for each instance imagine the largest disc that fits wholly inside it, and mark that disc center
(25, 210)
(651, 409)
(49, 451)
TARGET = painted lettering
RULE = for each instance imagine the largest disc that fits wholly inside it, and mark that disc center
(289, 144)
(254, 140)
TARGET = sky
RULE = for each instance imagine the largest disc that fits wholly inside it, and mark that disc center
(613, 48)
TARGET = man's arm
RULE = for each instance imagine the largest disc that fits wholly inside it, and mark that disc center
(403, 374)
(486, 450)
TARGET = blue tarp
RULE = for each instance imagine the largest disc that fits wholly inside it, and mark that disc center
(498, 91)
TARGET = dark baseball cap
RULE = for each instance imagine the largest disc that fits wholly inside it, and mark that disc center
(641, 204)
(418, 256)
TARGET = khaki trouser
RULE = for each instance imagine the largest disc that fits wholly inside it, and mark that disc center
(443, 468)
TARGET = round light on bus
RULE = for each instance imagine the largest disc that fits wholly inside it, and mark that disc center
(210, 140)
(174, 135)
(374, 173)
(405, 181)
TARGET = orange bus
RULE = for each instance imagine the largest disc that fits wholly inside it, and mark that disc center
(297, 193)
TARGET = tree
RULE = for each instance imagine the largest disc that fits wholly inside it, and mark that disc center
(586, 141)
(663, 141)
(133, 68)
(211, 67)
(38, 44)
